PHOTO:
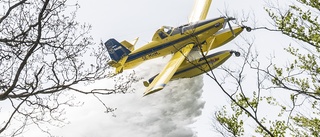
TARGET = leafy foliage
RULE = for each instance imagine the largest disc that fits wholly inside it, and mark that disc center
(298, 81)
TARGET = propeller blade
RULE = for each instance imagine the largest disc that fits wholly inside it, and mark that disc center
(224, 24)
(231, 29)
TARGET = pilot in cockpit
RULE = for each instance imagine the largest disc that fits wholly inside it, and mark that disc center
(165, 31)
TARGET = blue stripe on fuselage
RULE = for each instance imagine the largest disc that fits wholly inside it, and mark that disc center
(162, 46)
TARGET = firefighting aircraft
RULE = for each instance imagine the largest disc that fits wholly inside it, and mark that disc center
(198, 35)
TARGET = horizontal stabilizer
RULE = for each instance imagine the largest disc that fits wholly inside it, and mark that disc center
(118, 65)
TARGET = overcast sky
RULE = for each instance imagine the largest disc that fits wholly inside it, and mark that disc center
(175, 111)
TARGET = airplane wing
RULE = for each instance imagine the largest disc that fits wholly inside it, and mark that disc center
(200, 10)
(166, 74)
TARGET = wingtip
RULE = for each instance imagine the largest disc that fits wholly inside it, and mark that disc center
(154, 89)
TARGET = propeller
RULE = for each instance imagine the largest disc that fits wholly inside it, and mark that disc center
(228, 19)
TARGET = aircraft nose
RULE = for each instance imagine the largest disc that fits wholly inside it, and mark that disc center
(204, 22)
(229, 18)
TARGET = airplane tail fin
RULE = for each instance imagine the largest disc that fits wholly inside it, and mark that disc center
(118, 53)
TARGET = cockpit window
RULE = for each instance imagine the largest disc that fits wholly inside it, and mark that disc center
(165, 31)
(168, 29)
(179, 30)
(162, 34)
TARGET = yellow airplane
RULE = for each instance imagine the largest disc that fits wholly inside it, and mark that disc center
(166, 40)
(198, 35)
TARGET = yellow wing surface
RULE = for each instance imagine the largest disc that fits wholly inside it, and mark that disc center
(166, 74)
(200, 10)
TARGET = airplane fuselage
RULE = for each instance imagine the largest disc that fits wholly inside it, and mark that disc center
(164, 43)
